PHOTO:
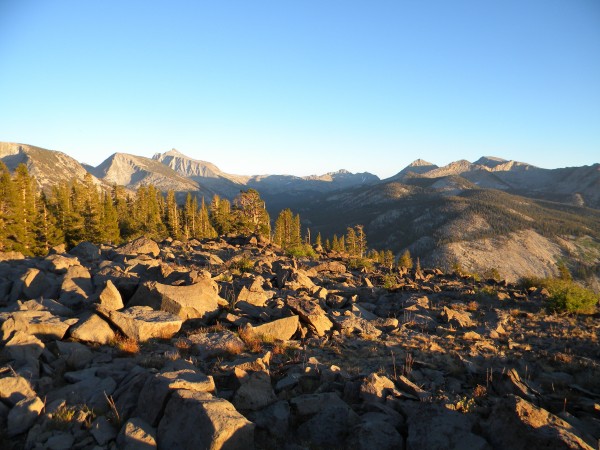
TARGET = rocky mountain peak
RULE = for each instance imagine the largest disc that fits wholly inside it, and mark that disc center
(490, 161)
(421, 163)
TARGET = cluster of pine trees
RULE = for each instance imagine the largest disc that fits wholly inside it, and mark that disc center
(33, 221)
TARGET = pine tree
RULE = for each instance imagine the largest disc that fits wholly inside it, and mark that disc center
(388, 259)
(190, 213)
(24, 211)
(287, 230)
(7, 207)
(205, 229)
(47, 232)
(250, 214)
(318, 240)
(110, 232)
(172, 219)
(405, 261)
(361, 240)
(220, 215)
(335, 245)
(351, 245)
(91, 211)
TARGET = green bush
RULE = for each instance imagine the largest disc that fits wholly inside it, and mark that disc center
(389, 280)
(302, 250)
(360, 263)
(565, 295)
(243, 264)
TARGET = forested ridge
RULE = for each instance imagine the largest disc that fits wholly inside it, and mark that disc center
(33, 221)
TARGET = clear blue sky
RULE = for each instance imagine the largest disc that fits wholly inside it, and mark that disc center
(304, 87)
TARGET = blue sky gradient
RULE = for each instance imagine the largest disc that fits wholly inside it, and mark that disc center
(304, 87)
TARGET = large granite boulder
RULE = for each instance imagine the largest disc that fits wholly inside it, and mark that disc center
(197, 301)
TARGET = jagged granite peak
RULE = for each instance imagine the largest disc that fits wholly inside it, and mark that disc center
(194, 168)
(496, 164)
(417, 167)
(49, 167)
(343, 174)
(133, 171)
(421, 163)
(490, 161)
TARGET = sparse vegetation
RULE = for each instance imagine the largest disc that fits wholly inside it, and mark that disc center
(242, 265)
(126, 344)
(565, 295)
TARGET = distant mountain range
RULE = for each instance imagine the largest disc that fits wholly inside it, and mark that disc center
(511, 215)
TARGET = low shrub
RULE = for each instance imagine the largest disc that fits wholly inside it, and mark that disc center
(301, 251)
(360, 264)
(565, 295)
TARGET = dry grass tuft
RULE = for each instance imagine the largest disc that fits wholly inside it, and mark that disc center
(126, 344)
(234, 348)
(252, 340)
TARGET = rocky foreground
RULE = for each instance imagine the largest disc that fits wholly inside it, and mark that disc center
(230, 344)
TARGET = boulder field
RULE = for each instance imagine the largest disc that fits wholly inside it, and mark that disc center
(231, 344)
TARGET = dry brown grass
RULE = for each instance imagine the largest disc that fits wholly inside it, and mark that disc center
(182, 344)
(472, 306)
(479, 391)
(126, 344)
(252, 340)
(234, 348)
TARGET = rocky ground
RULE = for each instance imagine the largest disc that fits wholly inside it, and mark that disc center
(230, 344)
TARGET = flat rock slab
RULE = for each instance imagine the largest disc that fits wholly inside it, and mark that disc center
(143, 323)
(282, 329)
(208, 345)
(199, 420)
(188, 379)
(42, 324)
(197, 301)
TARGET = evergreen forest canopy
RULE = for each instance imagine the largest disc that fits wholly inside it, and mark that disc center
(33, 221)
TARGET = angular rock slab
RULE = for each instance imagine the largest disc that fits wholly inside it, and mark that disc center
(76, 286)
(432, 426)
(93, 329)
(23, 415)
(14, 389)
(311, 313)
(141, 246)
(196, 301)
(282, 329)
(110, 298)
(517, 424)
(42, 324)
(142, 323)
(255, 393)
(199, 420)
(136, 434)
(459, 319)
(208, 345)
